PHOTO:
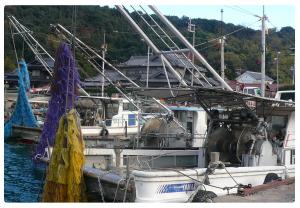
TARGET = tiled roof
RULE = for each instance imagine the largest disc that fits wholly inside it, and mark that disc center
(155, 61)
(257, 75)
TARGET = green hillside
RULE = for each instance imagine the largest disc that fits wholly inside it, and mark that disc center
(242, 49)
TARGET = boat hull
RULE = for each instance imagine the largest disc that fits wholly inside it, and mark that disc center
(174, 186)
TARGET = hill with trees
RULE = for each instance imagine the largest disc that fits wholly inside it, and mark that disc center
(242, 49)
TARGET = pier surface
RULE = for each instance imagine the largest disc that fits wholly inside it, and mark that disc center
(284, 193)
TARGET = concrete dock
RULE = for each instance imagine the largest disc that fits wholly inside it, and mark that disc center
(284, 193)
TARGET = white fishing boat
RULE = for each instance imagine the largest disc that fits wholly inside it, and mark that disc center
(110, 117)
(221, 148)
(101, 117)
(238, 149)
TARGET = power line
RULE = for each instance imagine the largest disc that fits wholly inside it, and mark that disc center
(241, 10)
(247, 11)
(235, 31)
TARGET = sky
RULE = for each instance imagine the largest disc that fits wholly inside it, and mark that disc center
(278, 15)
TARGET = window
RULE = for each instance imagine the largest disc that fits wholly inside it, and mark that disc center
(111, 110)
(251, 91)
(128, 107)
(288, 96)
(36, 73)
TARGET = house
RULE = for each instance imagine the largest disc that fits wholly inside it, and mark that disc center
(136, 69)
(250, 77)
(39, 76)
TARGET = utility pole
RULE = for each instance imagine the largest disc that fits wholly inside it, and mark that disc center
(191, 28)
(277, 79)
(104, 48)
(263, 54)
(222, 48)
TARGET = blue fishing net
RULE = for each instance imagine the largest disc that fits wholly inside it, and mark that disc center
(63, 93)
(22, 114)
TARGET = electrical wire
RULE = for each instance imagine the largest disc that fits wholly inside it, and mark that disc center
(244, 11)
(225, 35)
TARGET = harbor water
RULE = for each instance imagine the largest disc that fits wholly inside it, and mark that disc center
(23, 181)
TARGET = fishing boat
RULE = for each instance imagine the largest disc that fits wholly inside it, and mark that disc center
(239, 149)
(222, 146)
(101, 118)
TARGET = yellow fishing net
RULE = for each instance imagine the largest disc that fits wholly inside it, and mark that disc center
(64, 181)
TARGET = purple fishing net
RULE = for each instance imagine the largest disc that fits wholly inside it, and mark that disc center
(63, 91)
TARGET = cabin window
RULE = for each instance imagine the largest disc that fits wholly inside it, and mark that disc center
(251, 91)
(137, 161)
(164, 162)
(287, 96)
(187, 161)
(112, 109)
(128, 107)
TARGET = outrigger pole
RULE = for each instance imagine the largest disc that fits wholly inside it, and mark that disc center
(38, 50)
(189, 46)
(151, 44)
(92, 54)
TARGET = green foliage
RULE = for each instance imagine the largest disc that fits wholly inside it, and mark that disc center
(9, 64)
(110, 90)
(242, 49)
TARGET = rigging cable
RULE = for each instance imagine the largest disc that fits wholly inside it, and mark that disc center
(14, 45)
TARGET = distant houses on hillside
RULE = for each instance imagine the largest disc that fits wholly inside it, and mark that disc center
(136, 69)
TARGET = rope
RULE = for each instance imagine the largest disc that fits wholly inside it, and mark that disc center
(74, 23)
(126, 188)
(190, 199)
(67, 94)
(101, 189)
(23, 50)
(237, 145)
